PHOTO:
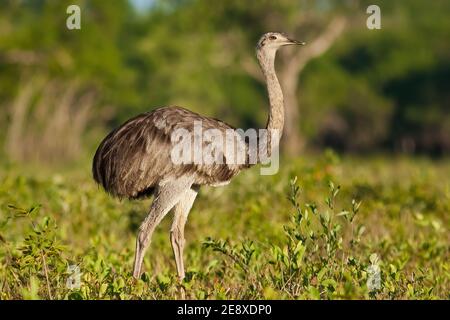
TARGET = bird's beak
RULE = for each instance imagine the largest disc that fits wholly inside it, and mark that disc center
(296, 42)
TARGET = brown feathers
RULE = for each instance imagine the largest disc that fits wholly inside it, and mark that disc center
(134, 158)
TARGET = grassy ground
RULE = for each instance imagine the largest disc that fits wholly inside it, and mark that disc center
(382, 222)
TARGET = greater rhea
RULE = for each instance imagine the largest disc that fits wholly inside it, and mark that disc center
(134, 160)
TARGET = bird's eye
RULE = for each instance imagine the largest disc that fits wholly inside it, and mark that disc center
(273, 38)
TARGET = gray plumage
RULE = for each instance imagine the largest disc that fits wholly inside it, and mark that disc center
(134, 160)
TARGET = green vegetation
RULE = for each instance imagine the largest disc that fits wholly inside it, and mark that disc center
(261, 237)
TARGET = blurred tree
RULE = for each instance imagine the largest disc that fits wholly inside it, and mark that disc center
(320, 23)
(38, 51)
(227, 31)
(406, 66)
(360, 90)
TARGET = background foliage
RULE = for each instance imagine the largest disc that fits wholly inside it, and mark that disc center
(372, 91)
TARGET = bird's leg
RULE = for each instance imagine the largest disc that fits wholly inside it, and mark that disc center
(177, 240)
(166, 197)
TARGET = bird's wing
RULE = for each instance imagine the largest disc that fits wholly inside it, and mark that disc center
(135, 157)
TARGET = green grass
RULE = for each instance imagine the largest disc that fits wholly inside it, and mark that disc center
(261, 237)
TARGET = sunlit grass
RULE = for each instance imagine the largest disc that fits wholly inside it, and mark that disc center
(260, 237)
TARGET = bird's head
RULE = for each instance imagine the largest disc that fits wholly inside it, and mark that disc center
(272, 41)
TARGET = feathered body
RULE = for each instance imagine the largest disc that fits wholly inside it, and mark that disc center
(135, 158)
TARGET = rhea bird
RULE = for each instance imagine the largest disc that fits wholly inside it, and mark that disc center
(134, 160)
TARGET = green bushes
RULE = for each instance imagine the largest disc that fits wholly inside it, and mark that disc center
(382, 235)
(312, 261)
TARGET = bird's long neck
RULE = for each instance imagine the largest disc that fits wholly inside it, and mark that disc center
(275, 121)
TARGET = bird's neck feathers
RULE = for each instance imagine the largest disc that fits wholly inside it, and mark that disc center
(266, 58)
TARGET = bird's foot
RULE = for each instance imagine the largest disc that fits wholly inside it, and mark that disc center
(181, 288)
(182, 291)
